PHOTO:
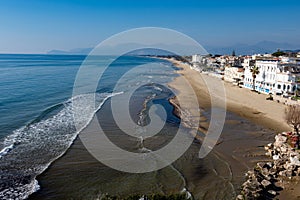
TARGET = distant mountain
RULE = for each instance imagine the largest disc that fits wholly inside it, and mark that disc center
(292, 51)
(245, 49)
(150, 51)
(120, 49)
(240, 49)
(78, 51)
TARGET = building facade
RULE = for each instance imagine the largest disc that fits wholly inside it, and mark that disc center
(234, 74)
(275, 76)
(288, 76)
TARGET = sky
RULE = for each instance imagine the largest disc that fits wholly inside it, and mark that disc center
(38, 26)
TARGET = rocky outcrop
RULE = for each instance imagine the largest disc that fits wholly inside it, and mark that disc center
(266, 179)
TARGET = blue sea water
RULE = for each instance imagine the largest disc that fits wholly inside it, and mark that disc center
(36, 114)
(31, 83)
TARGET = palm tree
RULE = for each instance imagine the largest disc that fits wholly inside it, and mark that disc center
(255, 71)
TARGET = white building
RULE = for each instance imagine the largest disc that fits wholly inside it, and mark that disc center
(197, 61)
(288, 76)
(234, 74)
(197, 58)
(247, 61)
(274, 76)
(266, 79)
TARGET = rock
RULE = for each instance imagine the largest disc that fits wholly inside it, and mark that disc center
(279, 140)
(250, 174)
(283, 149)
(260, 165)
(298, 171)
(265, 183)
(275, 157)
(279, 163)
(246, 184)
(256, 195)
(269, 154)
(269, 165)
(284, 133)
(270, 145)
(289, 166)
(294, 160)
(289, 173)
(246, 191)
(272, 192)
(285, 164)
(282, 173)
(273, 171)
(267, 148)
(265, 172)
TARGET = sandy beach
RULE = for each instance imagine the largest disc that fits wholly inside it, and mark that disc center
(245, 103)
(241, 101)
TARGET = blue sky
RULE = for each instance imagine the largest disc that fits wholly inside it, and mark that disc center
(37, 26)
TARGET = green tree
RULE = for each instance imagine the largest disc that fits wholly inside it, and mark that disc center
(255, 71)
(279, 53)
(233, 53)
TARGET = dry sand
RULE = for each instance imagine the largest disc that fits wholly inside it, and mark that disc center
(241, 101)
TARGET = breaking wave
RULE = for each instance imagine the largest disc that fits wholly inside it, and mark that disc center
(29, 150)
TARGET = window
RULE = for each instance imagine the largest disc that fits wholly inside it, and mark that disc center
(284, 87)
(279, 87)
(288, 87)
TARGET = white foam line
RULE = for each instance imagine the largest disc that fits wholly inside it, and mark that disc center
(5, 150)
(34, 184)
(96, 110)
(37, 187)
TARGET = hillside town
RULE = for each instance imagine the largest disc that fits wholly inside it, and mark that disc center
(276, 74)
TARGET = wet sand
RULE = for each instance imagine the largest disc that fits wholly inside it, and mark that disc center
(246, 104)
(77, 175)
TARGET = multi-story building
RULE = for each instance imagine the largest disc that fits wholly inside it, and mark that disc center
(287, 80)
(197, 58)
(275, 76)
(266, 79)
(234, 74)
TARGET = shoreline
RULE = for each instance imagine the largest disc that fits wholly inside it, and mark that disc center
(241, 101)
(76, 161)
(256, 109)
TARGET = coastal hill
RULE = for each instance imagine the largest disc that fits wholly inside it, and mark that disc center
(246, 49)
(123, 47)
(77, 51)
(240, 49)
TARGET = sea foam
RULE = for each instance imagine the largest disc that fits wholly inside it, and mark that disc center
(29, 150)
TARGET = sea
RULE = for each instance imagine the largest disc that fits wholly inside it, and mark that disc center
(42, 157)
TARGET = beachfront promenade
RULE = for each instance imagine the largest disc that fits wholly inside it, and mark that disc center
(287, 100)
